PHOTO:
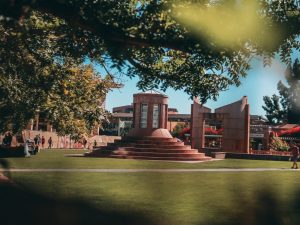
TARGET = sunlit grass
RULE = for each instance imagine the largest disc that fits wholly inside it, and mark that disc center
(174, 198)
(56, 159)
(191, 198)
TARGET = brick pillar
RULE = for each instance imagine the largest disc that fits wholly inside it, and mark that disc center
(137, 117)
(198, 124)
(150, 115)
(247, 129)
(161, 115)
(133, 115)
(166, 117)
(30, 125)
(49, 127)
(36, 122)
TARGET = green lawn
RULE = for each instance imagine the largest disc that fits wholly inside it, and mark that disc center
(171, 198)
(57, 159)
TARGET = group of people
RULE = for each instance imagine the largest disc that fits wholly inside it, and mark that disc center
(86, 145)
(38, 140)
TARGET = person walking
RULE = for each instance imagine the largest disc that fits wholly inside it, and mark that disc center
(84, 143)
(50, 143)
(43, 141)
(38, 139)
(295, 154)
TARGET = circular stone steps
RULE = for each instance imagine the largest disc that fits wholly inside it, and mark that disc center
(165, 150)
(160, 154)
(205, 158)
(164, 147)
(147, 138)
(151, 148)
(174, 140)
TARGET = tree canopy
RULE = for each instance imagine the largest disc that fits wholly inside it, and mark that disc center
(158, 41)
(35, 78)
(286, 106)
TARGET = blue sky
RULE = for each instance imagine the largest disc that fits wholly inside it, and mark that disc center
(260, 81)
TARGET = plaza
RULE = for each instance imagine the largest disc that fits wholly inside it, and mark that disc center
(149, 112)
(187, 188)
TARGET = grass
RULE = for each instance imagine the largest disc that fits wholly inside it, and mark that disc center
(57, 159)
(170, 198)
(189, 198)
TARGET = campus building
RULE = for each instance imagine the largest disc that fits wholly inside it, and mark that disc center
(259, 137)
(212, 125)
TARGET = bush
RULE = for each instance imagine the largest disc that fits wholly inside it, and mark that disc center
(278, 144)
(178, 130)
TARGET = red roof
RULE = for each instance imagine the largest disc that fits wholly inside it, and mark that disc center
(287, 126)
(289, 131)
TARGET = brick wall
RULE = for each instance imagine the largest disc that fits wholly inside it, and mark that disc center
(63, 141)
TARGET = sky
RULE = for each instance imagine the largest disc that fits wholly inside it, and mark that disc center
(259, 82)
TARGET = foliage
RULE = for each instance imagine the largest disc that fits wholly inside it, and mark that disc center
(278, 144)
(291, 94)
(286, 106)
(34, 79)
(178, 129)
(139, 38)
(275, 113)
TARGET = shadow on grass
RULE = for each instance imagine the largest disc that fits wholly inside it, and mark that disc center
(263, 211)
(24, 206)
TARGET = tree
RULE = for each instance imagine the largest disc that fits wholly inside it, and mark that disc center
(34, 79)
(177, 131)
(286, 106)
(278, 145)
(275, 113)
(153, 40)
(291, 95)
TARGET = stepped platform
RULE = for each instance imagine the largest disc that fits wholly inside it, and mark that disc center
(149, 148)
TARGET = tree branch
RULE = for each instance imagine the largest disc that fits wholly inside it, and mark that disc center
(72, 16)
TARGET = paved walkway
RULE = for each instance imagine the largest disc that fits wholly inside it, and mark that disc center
(147, 170)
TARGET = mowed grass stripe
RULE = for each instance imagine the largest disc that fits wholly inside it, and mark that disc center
(57, 159)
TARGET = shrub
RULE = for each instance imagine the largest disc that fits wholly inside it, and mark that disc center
(278, 144)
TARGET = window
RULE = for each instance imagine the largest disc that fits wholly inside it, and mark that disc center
(155, 123)
(144, 113)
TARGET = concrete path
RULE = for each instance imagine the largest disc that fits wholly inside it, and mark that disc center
(225, 170)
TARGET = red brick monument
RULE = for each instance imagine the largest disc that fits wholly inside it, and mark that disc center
(149, 138)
